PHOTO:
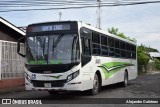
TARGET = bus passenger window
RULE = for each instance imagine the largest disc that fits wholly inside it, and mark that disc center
(116, 43)
(86, 50)
(111, 52)
(117, 53)
(96, 49)
(104, 40)
(96, 38)
(111, 41)
(104, 51)
(123, 55)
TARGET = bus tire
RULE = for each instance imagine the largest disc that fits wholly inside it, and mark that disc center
(125, 82)
(96, 86)
(53, 92)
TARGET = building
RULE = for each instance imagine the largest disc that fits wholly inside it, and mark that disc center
(154, 54)
(11, 64)
(9, 32)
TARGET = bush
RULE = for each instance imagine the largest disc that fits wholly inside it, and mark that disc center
(157, 64)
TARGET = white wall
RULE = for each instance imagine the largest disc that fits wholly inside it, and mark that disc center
(11, 64)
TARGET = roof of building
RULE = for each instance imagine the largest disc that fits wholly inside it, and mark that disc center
(154, 54)
(11, 29)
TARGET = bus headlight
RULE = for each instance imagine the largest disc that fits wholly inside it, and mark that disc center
(72, 76)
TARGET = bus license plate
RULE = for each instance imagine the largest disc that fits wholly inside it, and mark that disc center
(47, 85)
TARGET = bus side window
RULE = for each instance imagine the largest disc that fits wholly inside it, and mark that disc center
(86, 41)
(86, 48)
(96, 47)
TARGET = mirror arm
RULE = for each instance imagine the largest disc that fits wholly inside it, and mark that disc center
(18, 47)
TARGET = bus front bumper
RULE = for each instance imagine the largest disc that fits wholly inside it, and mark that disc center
(77, 86)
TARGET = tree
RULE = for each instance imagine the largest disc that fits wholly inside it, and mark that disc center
(157, 63)
(143, 57)
(142, 51)
(120, 34)
(113, 31)
(151, 49)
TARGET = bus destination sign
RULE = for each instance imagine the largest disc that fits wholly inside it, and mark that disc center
(44, 28)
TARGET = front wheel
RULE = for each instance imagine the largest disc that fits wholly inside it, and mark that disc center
(96, 86)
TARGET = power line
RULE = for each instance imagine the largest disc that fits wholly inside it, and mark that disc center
(48, 4)
(23, 3)
(34, 3)
(78, 7)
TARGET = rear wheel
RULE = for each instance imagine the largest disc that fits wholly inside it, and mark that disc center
(96, 86)
(125, 82)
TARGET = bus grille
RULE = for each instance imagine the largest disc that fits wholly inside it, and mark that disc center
(58, 83)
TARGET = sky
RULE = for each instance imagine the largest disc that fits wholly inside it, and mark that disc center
(141, 22)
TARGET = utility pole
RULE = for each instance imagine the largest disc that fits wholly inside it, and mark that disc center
(99, 14)
(60, 15)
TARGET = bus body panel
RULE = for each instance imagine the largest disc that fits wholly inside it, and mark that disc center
(117, 76)
(111, 70)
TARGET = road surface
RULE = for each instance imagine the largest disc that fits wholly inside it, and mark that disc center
(146, 86)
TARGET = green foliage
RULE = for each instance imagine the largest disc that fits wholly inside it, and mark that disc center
(120, 34)
(142, 55)
(147, 49)
(113, 31)
(157, 63)
(143, 58)
(142, 52)
(152, 50)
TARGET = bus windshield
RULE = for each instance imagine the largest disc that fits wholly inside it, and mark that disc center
(52, 49)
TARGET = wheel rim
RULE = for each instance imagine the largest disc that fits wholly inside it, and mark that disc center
(96, 84)
(126, 80)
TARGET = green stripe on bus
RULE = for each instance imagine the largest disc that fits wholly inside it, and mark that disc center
(117, 66)
(110, 73)
(114, 64)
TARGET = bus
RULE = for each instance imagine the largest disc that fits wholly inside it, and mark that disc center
(74, 56)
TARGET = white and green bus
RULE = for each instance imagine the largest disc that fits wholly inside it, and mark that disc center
(73, 56)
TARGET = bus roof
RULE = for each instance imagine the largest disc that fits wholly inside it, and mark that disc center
(87, 26)
(51, 22)
(104, 32)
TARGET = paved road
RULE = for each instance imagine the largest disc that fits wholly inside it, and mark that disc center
(147, 86)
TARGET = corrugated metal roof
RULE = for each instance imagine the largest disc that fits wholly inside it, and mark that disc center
(5, 22)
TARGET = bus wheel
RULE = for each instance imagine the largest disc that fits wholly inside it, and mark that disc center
(125, 82)
(96, 86)
(53, 92)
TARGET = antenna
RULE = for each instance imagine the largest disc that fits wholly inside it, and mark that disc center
(99, 14)
(60, 15)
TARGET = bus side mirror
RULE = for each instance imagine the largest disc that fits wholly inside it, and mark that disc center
(18, 47)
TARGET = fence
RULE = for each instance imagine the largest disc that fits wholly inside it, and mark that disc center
(12, 65)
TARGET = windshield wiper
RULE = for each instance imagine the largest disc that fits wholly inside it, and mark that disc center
(29, 49)
(40, 41)
(57, 40)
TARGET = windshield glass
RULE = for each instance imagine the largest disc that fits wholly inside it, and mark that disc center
(53, 49)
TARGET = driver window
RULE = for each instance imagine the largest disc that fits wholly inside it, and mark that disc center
(86, 42)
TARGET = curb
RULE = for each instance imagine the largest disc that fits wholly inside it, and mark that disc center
(12, 89)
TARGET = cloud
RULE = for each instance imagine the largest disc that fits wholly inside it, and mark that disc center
(134, 21)
(140, 22)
